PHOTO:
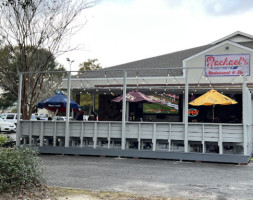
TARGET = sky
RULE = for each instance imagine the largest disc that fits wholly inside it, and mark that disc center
(122, 31)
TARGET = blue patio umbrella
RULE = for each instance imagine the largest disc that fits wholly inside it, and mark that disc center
(58, 103)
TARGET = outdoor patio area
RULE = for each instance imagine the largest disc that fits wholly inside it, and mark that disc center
(201, 108)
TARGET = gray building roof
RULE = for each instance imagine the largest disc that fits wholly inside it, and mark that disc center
(171, 60)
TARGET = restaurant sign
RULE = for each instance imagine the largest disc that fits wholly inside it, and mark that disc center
(227, 65)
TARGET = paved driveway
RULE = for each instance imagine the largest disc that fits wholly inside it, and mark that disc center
(151, 177)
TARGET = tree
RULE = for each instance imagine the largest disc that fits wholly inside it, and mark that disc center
(29, 27)
(90, 64)
(86, 99)
(40, 85)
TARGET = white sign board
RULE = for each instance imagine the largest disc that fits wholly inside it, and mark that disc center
(227, 65)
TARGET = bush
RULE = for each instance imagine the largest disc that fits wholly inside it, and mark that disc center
(6, 141)
(3, 140)
(20, 168)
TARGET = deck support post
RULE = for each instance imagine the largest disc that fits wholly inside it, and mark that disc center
(220, 140)
(186, 95)
(30, 134)
(139, 136)
(169, 139)
(154, 137)
(109, 135)
(123, 137)
(41, 133)
(95, 139)
(20, 80)
(203, 139)
(244, 113)
(54, 135)
(68, 111)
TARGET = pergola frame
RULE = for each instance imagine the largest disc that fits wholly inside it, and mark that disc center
(125, 78)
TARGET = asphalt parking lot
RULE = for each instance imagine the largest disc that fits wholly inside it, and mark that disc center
(151, 177)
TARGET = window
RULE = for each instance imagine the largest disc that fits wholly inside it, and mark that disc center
(10, 116)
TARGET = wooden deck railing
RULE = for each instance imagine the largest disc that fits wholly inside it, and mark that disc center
(157, 135)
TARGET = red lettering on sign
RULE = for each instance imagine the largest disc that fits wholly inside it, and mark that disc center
(212, 62)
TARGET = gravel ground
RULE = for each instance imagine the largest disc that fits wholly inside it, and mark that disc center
(151, 177)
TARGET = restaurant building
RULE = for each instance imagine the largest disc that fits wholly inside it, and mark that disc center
(169, 130)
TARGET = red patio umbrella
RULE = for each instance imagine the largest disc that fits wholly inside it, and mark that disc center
(135, 96)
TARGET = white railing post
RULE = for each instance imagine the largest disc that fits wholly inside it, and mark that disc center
(244, 113)
(54, 134)
(154, 137)
(95, 138)
(220, 140)
(203, 139)
(41, 133)
(30, 133)
(123, 137)
(169, 139)
(109, 135)
(186, 149)
(81, 136)
(19, 109)
(139, 136)
(68, 111)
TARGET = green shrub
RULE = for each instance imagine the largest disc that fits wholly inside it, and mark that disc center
(20, 168)
(3, 140)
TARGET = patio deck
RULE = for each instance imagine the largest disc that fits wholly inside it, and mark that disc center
(206, 141)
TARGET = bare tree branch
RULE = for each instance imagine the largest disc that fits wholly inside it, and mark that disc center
(28, 27)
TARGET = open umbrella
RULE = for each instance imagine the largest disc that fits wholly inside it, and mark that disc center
(58, 103)
(213, 98)
(135, 96)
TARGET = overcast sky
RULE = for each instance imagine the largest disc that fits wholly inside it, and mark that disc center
(121, 31)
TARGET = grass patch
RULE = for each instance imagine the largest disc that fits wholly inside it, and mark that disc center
(67, 192)
(55, 193)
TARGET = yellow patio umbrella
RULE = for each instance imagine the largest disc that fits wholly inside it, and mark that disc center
(212, 98)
